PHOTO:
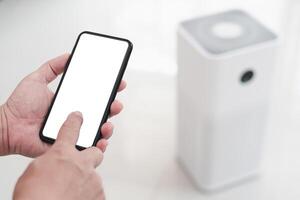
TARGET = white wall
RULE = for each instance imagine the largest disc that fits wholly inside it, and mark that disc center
(33, 31)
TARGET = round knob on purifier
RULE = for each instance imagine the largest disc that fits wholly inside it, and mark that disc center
(247, 76)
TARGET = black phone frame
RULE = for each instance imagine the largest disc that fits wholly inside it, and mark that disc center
(111, 98)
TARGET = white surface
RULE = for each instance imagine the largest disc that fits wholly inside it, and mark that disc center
(33, 31)
(87, 85)
(140, 160)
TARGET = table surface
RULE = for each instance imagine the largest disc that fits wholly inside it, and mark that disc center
(140, 162)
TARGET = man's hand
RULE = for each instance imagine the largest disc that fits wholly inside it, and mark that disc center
(21, 116)
(63, 172)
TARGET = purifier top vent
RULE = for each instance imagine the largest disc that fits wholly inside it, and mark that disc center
(227, 31)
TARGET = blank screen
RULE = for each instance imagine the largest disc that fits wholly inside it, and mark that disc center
(87, 85)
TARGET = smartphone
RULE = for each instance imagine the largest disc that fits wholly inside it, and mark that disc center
(89, 84)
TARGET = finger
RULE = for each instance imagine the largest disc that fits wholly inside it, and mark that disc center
(93, 156)
(102, 144)
(122, 86)
(52, 68)
(107, 130)
(115, 108)
(69, 132)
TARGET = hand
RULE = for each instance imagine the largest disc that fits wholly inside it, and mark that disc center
(21, 116)
(63, 172)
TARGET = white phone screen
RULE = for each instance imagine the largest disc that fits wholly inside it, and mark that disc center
(87, 85)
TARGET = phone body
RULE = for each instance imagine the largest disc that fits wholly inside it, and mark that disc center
(89, 84)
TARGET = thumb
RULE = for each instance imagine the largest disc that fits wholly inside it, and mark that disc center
(52, 68)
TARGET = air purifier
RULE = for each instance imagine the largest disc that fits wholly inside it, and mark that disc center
(225, 68)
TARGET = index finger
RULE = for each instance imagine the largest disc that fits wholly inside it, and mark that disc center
(69, 131)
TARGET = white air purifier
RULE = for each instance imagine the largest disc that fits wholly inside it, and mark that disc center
(225, 69)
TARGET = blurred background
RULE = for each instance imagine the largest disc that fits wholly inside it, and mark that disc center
(140, 161)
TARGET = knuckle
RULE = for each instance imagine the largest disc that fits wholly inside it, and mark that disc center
(58, 145)
(70, 163)
(95, 157)
(84, 160)
(90, 172)
(83, 171)
(99, 154)
(67, 125)
(59, 152)
(97, 151)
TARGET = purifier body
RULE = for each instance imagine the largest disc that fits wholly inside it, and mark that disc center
(224, 84)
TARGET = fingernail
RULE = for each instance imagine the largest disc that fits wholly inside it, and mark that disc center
(78, 113)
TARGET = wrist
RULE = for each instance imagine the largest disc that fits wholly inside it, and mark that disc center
(4, 136)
